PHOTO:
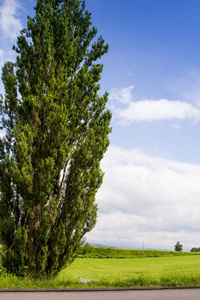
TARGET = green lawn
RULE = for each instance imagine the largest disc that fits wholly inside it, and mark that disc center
(153, 271)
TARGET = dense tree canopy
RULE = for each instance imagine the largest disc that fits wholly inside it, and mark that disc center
(195, 249)
(178, 246)
(57, 130)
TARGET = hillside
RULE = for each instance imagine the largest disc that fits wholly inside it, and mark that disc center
(88, 251)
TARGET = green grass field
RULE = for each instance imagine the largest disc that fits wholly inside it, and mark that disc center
(160, 271)
(161, 268)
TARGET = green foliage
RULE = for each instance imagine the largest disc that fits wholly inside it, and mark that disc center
(195, 249)
(178, 247)
(86, 249)
(56, 135)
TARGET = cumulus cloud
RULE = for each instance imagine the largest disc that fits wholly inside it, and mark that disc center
(10, 24)
(147, 198)
(163, 109)
(151, 110)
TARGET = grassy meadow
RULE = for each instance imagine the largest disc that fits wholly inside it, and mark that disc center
(124, 269)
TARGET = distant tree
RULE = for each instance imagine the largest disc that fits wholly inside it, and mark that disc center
(178, 247)
(57, 129)
(86, 248)
(195, 249)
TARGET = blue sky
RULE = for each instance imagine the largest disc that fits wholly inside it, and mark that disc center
(151, 189)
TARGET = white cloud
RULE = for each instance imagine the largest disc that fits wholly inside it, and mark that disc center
(151, 110)
(187, 86)
(9, 23)
(2, 55)
(122, 95)
(8, 55)
(147, 198)
(177, 126)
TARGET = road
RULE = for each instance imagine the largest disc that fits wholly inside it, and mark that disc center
(183, 294)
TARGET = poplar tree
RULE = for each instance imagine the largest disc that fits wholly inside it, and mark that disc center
(56, 132)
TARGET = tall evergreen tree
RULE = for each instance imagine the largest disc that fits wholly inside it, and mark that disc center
(57, 129)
